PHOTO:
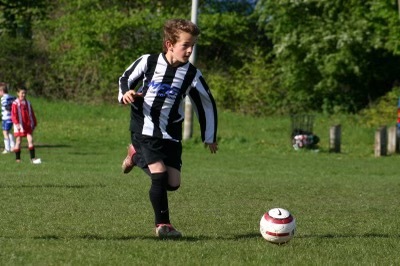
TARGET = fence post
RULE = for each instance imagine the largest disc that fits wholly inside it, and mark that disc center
(381, 141)
(392, 140)
(335, 134)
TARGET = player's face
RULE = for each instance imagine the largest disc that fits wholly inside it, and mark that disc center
(183, 48)
(21, 94)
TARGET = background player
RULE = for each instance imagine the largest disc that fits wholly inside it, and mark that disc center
(24, 120)
(6, 123)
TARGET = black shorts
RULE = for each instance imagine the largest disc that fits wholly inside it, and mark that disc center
(150, 150)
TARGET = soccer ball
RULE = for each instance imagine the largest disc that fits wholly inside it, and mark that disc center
(277, 226)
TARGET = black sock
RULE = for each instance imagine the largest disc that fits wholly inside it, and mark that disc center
(159, 198)
(18, 154)
(32, 152)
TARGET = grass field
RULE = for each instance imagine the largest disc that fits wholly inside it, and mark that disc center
(77, 208)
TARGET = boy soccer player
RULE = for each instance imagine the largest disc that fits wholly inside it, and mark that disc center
(24, 121)
(6, 123)
(157, 114)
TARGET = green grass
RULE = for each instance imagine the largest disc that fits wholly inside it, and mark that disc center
(77, 208)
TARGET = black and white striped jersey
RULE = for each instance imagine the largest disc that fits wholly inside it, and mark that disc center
(161, 111)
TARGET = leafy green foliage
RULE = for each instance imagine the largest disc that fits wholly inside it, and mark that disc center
(384, 111)
(97, 44)
(327, 50)
(17, 17)
(21, 62)
(214, 49)
(245, 89)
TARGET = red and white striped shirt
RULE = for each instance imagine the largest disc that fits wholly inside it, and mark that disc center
(22, 113)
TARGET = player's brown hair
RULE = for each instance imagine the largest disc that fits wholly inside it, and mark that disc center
(173, 27)
(21, 87)
(4, 87)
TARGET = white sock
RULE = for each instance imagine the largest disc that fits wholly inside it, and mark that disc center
(7, 144)
(12, 142)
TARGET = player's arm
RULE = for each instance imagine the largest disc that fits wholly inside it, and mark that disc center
(15, 117)
(130, 79)
(206, 111)
(14, 114)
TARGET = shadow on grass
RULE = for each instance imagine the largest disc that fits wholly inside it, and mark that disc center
(367, 235)
(45, 145)
(96, 237)
(42, 145)
(53, 186)
(149, 237)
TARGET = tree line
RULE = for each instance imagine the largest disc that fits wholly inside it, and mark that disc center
(259, 57)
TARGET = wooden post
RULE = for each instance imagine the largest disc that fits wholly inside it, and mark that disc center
(335, 135)
(381, 141)
(392, 140)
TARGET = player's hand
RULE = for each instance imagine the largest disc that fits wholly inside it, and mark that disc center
(129, 96)
(212, 146)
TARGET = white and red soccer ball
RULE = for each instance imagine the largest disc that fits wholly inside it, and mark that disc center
(277, 226)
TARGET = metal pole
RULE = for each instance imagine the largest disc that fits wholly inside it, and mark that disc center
(188, 123)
